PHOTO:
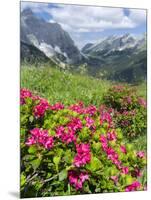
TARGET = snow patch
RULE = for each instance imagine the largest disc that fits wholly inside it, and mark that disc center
(47, 49)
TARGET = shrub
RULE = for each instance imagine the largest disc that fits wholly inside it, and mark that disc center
(74, 150)
(129, 110)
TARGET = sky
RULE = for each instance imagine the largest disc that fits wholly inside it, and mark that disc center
(88, 24)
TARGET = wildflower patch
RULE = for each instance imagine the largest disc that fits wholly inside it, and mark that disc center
(74, 149)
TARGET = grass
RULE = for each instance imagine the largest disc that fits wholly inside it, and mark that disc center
(62, 86)
(140, 143)
(56, 85)
(142, 90)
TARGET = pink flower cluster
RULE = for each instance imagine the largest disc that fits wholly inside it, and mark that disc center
(123, 149)
(39, 136)
(118, 88)
(125, 170)
(111, 136)
(89, 122)
(77, 178)
(133, 187)
(57, 106)
(83, 155)
(113, 156)
(131, 112)
(104, 142)
(39, 110)
(110, 152)
(42, 106)
(75, 124)
(67, 135)
(106, 117)
(127, 100)
(79, 108)
(140, 154)
(104, 108)
(142, 102)
(136, 172)
(125, 123)
(91, 110)
(24, 93)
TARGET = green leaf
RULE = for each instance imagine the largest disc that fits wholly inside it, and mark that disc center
(28, 100)
(22, 132)
(94, 165)
(129, 147)
(128, 180)
(113, 171)
(51, 133)
(105, 125)
(96, 146)
(31, 118)
(63, 175)
(49, 175)
(38, 185)
(69, 189)
(32, 149)
(68, 156)
(119, 134)
(59, 152)
(96, 135)
(35, 163)
(23, 179)
(84, 135)
(56, 161)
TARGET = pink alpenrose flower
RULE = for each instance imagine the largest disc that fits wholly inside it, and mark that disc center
(83, 155)
(140, 154)
(123, 149)
(133, 187)
(77, 178)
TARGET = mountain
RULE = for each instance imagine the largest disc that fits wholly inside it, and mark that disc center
(87, 46)
(110, 43)
(31, 54)
(49, 38)
(116, 57)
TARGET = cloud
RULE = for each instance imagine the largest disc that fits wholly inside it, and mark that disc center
(35, 6)
(75, 18)
(95, 19)
(138, 16)
(86, 23)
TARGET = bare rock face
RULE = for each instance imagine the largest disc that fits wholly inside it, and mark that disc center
(48, 37)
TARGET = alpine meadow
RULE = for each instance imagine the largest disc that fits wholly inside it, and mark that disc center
(83, 100)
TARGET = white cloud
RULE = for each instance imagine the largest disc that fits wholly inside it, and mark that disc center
(88, 18)
(79, 20)
(36, 7)
(96, 19)
(138, 16)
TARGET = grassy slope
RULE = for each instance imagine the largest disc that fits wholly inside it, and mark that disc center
(142, 90)
(62, 86)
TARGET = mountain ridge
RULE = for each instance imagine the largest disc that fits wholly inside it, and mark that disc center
(115, 57)
(47, 37)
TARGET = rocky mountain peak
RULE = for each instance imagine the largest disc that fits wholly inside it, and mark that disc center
(48, 37)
